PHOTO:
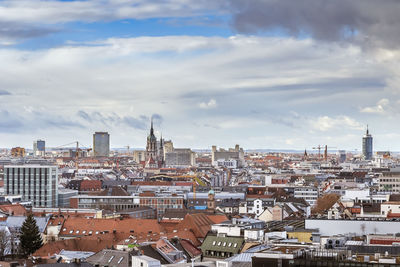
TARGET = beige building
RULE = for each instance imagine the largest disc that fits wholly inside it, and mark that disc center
(389, 182)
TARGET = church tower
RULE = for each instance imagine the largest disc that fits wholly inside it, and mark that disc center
(151, 149)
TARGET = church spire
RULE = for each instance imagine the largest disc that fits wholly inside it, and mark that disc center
(151, 129)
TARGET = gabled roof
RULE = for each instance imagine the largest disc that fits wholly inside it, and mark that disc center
(86, 243)
(222, 244)
(108, 257)
(199, 223)
(13, 209)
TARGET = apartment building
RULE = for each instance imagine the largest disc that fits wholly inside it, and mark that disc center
(389, 182)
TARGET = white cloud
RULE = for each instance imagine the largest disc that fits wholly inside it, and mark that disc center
(210, 104)
(50, 12)
(326, 123)
(258, 84)
(380, 108)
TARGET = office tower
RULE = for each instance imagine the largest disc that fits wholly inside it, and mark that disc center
(37, 183)
(101, 144)
(367, 145)
(39, 148)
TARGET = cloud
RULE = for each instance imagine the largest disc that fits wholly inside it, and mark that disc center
(371, 21)
(380, 108)
(51, 11)
(275, 85)
(3, 92)
(212, 103)
(112, 120)
(33, 121)
(326, 123)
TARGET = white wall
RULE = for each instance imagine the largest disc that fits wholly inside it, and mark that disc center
(336, 227)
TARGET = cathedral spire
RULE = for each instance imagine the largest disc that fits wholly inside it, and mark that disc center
(151, 129)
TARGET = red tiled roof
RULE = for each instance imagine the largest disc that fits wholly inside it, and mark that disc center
(199, 223)
(13, 209)
(217, 218)
(87, 243)
(190, 248)
(129, 225)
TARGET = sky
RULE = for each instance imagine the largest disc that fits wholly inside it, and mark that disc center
(266, 74)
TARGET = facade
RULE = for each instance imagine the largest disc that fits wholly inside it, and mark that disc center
(36, 183)
(64, 196)
(39, 148)
(236, 153)
(161, 202)
(18, 152)
(101, 144)
(367, 148)
(113, 203)
(309, 194)
(179, 157)
(389, 182)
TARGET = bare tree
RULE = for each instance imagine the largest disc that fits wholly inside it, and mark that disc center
(4, 243)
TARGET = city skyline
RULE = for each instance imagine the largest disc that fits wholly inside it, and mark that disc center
(208, 72)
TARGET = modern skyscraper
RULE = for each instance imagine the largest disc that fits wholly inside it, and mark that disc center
(367, 145)
(37, 183)
(39, 148)
(101, 144)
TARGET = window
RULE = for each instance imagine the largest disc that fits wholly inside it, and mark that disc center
(77, 232)
(71, 231)
(224, 244)
(219, 243)
(84, 232)
(214, 243)
(65, 229)
(112, 257)
(97, 232)
(230, 244)
(90, 232)
(235, 245)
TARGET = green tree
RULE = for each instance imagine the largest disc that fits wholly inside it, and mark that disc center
(30, 238)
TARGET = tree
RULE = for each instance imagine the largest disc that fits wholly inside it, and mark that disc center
(30, 238)
(4, 242)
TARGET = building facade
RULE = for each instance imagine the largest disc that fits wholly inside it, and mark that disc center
(36, 183)
(101, 144)
(367, 148)
(39, 148)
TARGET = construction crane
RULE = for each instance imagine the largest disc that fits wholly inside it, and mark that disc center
(319, 151)
(76, 151)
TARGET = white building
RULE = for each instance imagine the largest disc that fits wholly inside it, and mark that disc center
(145, 261)
(309, 194)
(36, 183)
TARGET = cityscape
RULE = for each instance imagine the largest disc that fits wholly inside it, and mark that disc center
(208, 133)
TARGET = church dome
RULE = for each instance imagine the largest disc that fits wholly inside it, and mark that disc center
(211, 192)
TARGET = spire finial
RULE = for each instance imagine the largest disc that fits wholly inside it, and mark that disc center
(367, 130)
(151, 128)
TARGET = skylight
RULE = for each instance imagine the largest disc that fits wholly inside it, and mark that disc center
(112, 257)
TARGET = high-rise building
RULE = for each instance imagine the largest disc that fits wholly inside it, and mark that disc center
(37, 183)
(367, 145)
(39, 148)
(101, 144)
